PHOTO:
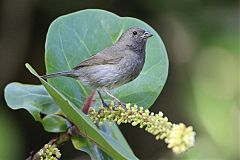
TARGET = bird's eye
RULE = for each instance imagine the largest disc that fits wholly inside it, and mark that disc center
(134, 32)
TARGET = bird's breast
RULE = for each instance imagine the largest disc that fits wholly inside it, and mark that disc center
(130, 68)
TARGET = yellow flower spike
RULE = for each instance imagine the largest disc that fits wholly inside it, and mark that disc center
(178, 137)
(49, 152)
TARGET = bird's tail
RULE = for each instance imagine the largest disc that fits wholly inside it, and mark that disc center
(57, 74)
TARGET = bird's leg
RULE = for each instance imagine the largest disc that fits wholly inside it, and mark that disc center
(116, 99)
(103, 102)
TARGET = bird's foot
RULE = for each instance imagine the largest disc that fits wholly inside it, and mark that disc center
(105, 104)
(116, 99)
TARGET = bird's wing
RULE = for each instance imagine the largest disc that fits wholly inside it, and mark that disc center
(99, 59)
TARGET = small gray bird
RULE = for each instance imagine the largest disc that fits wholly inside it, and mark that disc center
(113, 66)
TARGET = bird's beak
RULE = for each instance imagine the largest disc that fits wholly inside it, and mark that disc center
(147, 34)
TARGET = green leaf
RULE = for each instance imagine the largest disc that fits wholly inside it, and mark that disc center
(87, 146)
(111, 128)
(36, 100)
(84, 124)
(75, 37)
(33, 98)
(55, 123)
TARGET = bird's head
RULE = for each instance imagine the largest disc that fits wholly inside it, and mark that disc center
(135, 37)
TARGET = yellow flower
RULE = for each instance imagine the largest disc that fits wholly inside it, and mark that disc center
(178, 137)
(49, 152)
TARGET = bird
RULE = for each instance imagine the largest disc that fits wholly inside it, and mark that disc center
(113, 66)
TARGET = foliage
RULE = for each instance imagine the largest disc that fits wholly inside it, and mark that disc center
(58, 103)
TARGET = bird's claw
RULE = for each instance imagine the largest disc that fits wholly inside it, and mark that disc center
(105, 104)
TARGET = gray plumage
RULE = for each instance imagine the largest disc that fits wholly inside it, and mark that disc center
(113, 66)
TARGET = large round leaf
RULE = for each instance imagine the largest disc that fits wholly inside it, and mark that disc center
(75, 37)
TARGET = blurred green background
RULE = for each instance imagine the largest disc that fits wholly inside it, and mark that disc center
(202, 90)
